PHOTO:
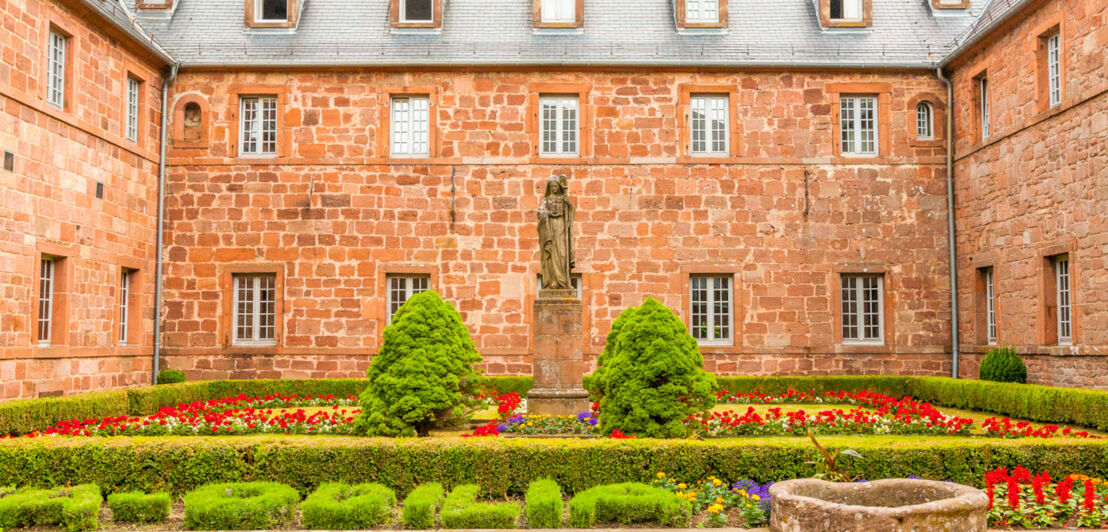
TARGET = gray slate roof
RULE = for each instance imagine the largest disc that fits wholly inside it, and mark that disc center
(617, 32)
(120, 16)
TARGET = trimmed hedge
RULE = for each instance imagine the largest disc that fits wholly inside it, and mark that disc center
(461, 510)
(24, 415)
(502, 465)
(240, 506)
(338, 506)
(421, 505)
(544, 504)
(74, 509)
(139, 507)
(627, 503)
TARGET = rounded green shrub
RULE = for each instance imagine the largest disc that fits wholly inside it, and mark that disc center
(139, 507)
(171, 376)
(423, 374)
(651, 374)
(1002, 365)
(338, 506)
(240, 506)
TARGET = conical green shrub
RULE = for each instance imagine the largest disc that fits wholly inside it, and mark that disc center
(423, 373)
(1002, 365)
(651, 374)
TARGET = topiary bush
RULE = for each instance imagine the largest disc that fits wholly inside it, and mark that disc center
(420, 506)
(74, 509)
(139, 507)
(240, 506)
(170, 376)
(461, 510)
(338, 506)
(423, 374)
(1002, 365)
(651, 374)
(544, 504)
(628, 503)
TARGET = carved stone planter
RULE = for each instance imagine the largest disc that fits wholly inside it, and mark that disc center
(895, 505)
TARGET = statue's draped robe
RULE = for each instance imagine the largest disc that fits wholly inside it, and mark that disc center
(555, 236)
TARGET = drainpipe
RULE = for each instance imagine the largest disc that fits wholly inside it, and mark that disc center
(159, 241)
(950, 220)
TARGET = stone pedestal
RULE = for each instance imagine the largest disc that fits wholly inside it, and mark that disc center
(558, 360)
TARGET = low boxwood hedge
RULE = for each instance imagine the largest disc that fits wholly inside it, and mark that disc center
(240, 506)
(544, 504)
(501, 466)
(630, 502)
(74, 509)
(421, 506)
(461, 510)
(139, 507)
(338, 506)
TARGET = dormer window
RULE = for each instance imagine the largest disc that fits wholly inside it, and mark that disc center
(846, 10)
(700, 13)
(271, 11)
(417, 11)
(845, 13)
(558, 13)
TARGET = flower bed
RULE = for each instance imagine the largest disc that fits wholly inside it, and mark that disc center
(1020, 499)
(800, 422)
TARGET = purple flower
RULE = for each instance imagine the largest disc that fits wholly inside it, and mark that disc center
(515, 420)
(501, 427)
(583, 416)
(593, 421)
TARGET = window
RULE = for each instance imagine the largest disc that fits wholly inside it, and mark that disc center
(988, 282)
(46, 282)
(402, 287)
(559, 125)
(862, 308)
(708, 125)
(702, 11)
(255, 319)
(410, 126)
(1065, 311)
(846, 10)
(983, 105)
(560, 11)
(55, 84)
(271, 10)
(710, 309)
(924, 122)
(574, 281)
(858, 124)
(417, 11)
(124, 305)
(1053, 69)
(258, 130)
(132, 110)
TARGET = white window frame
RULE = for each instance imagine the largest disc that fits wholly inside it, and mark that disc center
(574, 281)
(701, 11)
(983, 104)
(1063, 298)
(706, 137)
(859, 125)
(705, 290)
(846, 7)
(132, 111)
(401, 288)
(403, 12)
(124, 297)
(559, 125)
(410, 126)
(46, 283)
(558, 11)
(854, 291)
(1054, 68)
(259, 10)
(990, 307)
(258, 126)
(925, 121)
(254, 309)
(56, 71)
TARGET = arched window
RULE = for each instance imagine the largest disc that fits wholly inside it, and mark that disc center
(193, 122)
(924, 121)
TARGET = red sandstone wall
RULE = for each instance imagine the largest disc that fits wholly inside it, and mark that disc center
(333, 215)
(48, 203)
(1038, 186)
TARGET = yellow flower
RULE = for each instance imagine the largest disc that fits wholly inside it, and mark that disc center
(715, 508)
(755, 497)
(719, 500)
(681, 486)
(742, 493)
(661, 475)
(717, 483)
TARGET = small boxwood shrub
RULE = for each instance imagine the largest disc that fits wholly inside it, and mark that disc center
(170, 376)
(74, 509)
(421, 505)
(1002, 365)
(423, 373)
(544, 504)
(461, 510)
(139, 507)
(240, 506)
(628, 503)
(338, 506)
(651, 374)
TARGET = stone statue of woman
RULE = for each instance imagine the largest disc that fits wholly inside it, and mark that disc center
(556, 235)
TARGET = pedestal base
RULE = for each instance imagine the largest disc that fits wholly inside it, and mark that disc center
(557, 402)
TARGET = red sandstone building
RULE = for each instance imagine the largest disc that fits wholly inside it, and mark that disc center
(774, 171)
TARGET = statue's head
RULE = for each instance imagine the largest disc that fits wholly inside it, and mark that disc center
(555, 185)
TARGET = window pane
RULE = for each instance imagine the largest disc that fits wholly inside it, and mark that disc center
(569, 126)
(269, 125)
(124, 295)
(549, 126)
(401, 110)
(417, 10)
(708, 124)
(55, 91)
(558, 10)
(275, 10)
(850, 307)
(836, 9)
(402, 287)
(132, 109)
(1054, 73)
(1062, 280)
(984, 106)
(45, 299)
(852, 9)
(249, 125)
(867, 124)
(846, 124)
(923, 121)
(698, 296)
(990, 307)
(721, 308)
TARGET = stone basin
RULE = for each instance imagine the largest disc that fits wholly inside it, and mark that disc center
(893, 505)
